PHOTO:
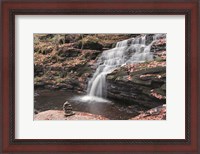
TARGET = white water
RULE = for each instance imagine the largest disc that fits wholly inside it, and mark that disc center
(129, 51)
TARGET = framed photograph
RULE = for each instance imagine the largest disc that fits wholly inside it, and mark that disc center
(100, 76)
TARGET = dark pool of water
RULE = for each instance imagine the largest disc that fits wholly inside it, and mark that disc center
(54, 100)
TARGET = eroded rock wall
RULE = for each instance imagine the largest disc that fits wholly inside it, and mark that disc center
(144, 83)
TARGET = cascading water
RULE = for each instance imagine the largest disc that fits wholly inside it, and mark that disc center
(131, 51)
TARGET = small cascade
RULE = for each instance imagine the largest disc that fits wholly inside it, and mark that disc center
(131, 51)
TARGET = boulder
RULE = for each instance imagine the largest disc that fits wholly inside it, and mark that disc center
(60, 115)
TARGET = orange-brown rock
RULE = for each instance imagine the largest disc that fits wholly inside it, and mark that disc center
(60, 115)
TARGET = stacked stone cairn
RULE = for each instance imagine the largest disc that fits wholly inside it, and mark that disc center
(67, 108)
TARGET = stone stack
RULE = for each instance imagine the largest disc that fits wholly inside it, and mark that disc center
(67, 108)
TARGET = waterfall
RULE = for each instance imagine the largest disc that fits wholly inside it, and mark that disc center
(130, 51)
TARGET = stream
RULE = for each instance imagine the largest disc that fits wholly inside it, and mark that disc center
(54, 100)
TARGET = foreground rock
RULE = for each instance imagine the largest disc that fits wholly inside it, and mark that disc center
(60, 115)
(158, 113)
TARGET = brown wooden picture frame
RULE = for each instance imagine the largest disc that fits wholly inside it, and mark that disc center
(47, 7)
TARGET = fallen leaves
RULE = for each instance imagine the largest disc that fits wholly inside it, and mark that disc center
(153, 93)
(131, 67)
(154, 64)
(146, 75)
(129, 77)
(160, 42)
(136, 67)
(151, 75)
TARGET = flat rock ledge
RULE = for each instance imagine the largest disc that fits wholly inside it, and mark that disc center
(157, 113)
(59, 115)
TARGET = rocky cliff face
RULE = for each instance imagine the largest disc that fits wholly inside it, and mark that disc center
(144, 83)
(67, 61)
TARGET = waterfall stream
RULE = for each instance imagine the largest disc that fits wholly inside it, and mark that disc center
(130, 51)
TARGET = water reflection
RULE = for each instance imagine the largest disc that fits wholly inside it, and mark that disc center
(53, 100)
